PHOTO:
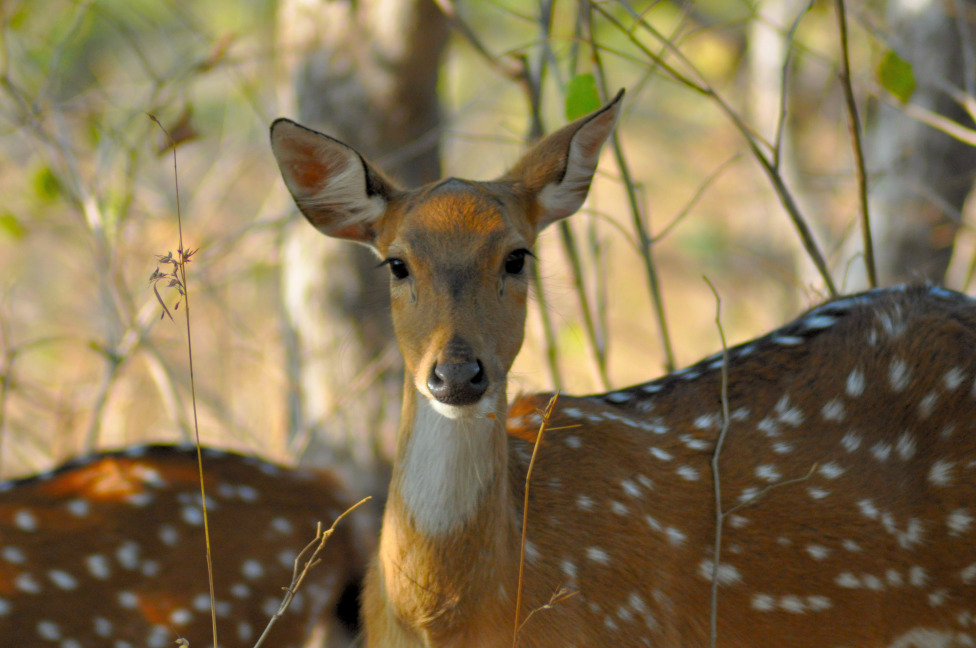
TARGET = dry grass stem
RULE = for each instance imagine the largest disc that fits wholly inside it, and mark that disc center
(525, 514)
(179, 282)
(560, 595)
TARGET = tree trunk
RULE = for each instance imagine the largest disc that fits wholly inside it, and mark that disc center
(921, 175)
(365, 72)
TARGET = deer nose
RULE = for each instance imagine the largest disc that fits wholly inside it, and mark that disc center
(458, 383)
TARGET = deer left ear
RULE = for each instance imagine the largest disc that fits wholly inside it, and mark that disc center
(558, 170)
(333, 185)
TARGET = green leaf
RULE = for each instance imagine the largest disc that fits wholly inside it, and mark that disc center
(11, 226)
(46, 185)
(896, 76)
(582, 97)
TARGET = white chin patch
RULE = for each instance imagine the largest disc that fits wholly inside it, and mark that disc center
(478, 410)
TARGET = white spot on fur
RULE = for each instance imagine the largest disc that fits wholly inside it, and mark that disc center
(868, 509)
(818, 552)
(959, 522)
(847, 580)
(763, 603)
(927, 405)
(953, 379)
(833, 411)
(831, 470)
(787, 413)
(25, 520)
(968, 575)
(78, 507)
(940, 474)
(851, 546)
(905, 446)
(899, 375)
(598, 555)
(855, 383)
(881, 451)
(727, 574)
(63, 579)
(630, 488)
(27, 583)
(817, 493)
(13, 555)
(675, 537)
(851, 441)
(660, 454)
(917, 576)
(98, 566)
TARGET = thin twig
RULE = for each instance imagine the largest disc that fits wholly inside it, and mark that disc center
(716, 473)
(300, 571)
(525, 514)
(854, 126)
(644, 240)
(699, 192)
(597, 342)
(765, 491)
(784, 84)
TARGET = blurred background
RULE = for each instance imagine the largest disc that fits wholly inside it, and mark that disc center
(292, 352)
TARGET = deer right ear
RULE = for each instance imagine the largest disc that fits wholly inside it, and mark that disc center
(334, 187)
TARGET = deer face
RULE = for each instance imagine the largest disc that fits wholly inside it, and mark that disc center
(457, 251)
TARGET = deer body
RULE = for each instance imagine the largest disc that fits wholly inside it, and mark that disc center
(109, 551)
(848, 471)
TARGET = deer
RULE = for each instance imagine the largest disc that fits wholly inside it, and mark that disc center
(844, 492)
(108, 550)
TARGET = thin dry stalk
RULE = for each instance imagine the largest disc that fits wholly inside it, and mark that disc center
(644, 239)
(179, 268)
(720, 514)
(525, 516)
(560, 595)
(854, 126)
(300, 569)
(597, 342)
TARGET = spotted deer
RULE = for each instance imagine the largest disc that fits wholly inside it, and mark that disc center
(847, 474)
(108, 551)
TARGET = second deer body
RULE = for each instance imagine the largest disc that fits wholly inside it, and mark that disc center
(848, 475)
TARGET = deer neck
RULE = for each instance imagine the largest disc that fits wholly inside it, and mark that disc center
(449, 524)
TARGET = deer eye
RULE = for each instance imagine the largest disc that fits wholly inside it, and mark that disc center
(398, 268)
(515, 262)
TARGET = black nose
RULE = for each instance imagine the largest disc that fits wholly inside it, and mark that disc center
(458, 383)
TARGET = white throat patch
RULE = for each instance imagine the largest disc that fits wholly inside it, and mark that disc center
(447, 467)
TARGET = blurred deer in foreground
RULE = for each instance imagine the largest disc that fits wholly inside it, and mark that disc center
(109, 551)
(848, 474)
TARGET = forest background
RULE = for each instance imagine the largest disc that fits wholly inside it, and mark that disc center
(734, 110)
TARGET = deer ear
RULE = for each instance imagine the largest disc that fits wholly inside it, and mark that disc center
(558, 170)
(334, 187)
